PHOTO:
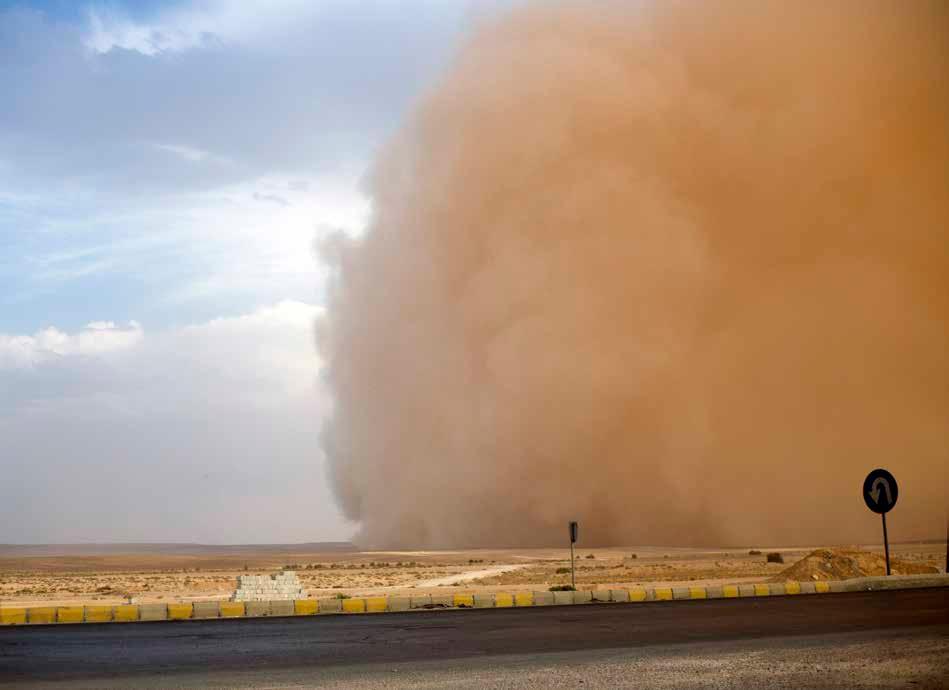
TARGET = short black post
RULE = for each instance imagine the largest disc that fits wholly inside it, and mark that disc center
(573, 579)
(886, 545)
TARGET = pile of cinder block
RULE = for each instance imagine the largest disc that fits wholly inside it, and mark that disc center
(278, 587)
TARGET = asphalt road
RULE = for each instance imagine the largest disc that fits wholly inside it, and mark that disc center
(180, 654)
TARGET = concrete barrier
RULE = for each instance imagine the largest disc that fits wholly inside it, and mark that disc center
(377, 604)
(282, 607)
(98, 614)
(206, 609)
(638, 594)
(463, 601)
(41, 614)
(232, 609)
(875, 584)
(400, 603)
(153, 612)
(421, 601)
(305, 607)
(125, 613)
(180, 612)
(12, 616)
(484, 601)
(69, 614)
(255, 609)
(562, 598)
(331, 605)
(354, 605)
(543, 598)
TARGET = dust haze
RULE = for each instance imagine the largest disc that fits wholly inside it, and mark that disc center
(676, 270)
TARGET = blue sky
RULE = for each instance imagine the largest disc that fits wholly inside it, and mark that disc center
(166, 171)
(123, 124)
(72, 11)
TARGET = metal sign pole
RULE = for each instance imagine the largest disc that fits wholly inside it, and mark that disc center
(574, 528)
(886, 545)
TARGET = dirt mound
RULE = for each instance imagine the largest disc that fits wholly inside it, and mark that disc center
(842, 564)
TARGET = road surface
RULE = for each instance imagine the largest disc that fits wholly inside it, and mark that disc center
(830, 639)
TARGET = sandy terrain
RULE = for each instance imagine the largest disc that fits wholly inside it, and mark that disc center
(114, 576)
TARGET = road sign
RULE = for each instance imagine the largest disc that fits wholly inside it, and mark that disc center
(880, 491)
(573, 538)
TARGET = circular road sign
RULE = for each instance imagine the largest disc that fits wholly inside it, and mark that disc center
(880, 491)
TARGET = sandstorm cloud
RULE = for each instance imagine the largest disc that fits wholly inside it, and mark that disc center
(677, 270)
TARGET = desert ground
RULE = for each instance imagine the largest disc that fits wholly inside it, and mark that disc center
(143, 574)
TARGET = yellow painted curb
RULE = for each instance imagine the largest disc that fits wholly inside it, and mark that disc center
(125, 613)
(503, 600)
(330, 605)
(13, 616)
(354, 605)
(232, 609)
(42, 614)
(379, 604)
(98, 614)
(69, 614)
(179, 612)
(376, 604)
(305, 607)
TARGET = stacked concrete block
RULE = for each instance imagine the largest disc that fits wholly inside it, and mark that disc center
(281, 587)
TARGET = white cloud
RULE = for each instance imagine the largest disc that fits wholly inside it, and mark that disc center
(190, 26)
(109, 423)
(96, 338)
(188, 153)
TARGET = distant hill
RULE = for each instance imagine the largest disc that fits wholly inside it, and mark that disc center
(14, 550)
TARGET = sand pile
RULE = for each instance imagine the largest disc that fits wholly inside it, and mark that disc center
(843, 564)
